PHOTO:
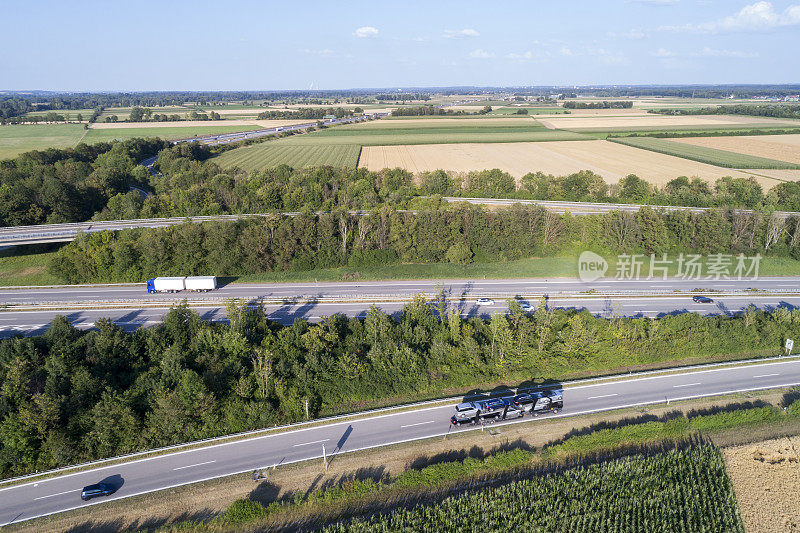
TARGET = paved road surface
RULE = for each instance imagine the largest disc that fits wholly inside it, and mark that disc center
(32, 322)
(287, 301)
(62, 493)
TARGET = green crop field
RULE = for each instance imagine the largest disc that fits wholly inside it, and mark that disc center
(661, 129)
(18, 138)
(429, 132)
(177, 132)
(531, 111)
(686, 490)
(271, 154)
(712, 156)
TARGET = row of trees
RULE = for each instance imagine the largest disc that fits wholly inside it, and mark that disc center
(309, 113)
(430, 110)
(616, 104)
(73, 185)
(758, 110)
(70, 396)
(460, 234)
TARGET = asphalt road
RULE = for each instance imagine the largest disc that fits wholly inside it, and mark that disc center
(33, 322)
(62, 493)
(134, 307)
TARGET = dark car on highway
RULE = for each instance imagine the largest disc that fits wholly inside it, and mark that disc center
(702, 299)
(98, 489)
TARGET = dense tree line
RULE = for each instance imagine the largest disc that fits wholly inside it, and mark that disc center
(402, 97)
(72, 184)
(758, 110)
(47, 186)
(69, 396)
(430, 110)
(308, 113)
(599, 105)
(458, 234)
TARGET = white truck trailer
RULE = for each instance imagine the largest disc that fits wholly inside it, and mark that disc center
(201, 283)
(178, 284)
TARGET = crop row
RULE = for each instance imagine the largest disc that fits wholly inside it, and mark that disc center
(680, 490)
(702, 154)
(269, 155)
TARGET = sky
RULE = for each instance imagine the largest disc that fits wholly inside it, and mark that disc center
(74, 45)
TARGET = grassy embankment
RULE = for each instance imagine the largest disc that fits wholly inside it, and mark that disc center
(23, 268)
(702, 154)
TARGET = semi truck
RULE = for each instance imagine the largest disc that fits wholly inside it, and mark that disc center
(485, 411)
(178, 284)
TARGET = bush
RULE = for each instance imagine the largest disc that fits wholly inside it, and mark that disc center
(242, 511)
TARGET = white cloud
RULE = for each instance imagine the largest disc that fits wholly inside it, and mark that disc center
(754, 17)
(633, 35)
(466, 32)
(654, 2)
(325, 52)
(663, 52)
(366, 31)
(481, 54)
(711, 52)
(524, 55)
(566, 52)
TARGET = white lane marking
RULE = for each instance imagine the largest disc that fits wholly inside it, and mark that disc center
(603, 396)
(767, 375)
(307, 443)
(418, 424)
(198, 464)
(57, 494)
(685, 385)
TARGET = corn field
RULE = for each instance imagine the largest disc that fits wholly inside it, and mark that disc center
(681, 490)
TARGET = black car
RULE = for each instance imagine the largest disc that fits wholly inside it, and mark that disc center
(98, 489)
(702, 299)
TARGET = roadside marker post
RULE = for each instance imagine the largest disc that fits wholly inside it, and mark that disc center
(324, 458)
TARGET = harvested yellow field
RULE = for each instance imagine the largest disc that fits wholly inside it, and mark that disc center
(194, 124)
(659, 121)
(766, 477)
(780, 147)
(441, 122)
(613, 161)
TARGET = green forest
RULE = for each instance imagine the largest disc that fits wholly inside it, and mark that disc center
(69, 395)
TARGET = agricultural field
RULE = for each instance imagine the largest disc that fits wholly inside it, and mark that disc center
(780, 147)
(122, 113)
(72, 113)
(764, 475)
(642, 123)
(530, 110)
(705, 154)
(687, 490)
(611, 160)
(176, 132)
(195, 124)
(416, 131)
(18, 138)
(272, 154)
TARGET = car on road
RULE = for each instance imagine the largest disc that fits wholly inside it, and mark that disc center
(484, 301)
(702, 299)
(98, 489)
(526, 307)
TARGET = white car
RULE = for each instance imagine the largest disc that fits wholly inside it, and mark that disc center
(484, 301)
(526, 307)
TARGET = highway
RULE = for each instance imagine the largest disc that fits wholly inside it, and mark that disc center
(37, 498)
(29, 310)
